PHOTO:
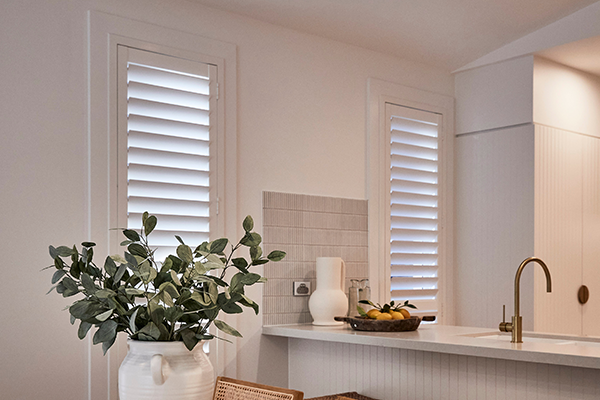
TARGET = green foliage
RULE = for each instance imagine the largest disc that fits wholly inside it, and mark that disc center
(176, 300)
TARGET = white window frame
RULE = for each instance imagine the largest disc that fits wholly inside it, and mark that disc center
(105, 33)
(379, 93)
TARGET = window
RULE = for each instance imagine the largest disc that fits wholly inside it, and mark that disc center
(167, 111)
(413, 204)
(410, 180)
(109, 36)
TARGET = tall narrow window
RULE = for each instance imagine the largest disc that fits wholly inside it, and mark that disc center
(414, 199)
(167, 112)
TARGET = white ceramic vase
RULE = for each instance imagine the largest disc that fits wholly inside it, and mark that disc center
(329, 300)
(165, 371)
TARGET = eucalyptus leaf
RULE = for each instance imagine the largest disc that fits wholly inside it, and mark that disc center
(134, 292)
(70, 287)
(217, 246)
(213, 291)
(64, 251)
(251, 239)
(250, 279)
(166, 298)
(248, 223)
(149, 224)
(185, 253)
(107, 345)
(169, 288)
(222, 326)
(105, 315)
(84, 328)
(118, 259)
(131, 260)
(132, 325)
(276, 255)
(255, 252)
(120, 272)
(240, 263)
(106, 332)
(245, 301)
(189, 339)
(137, 249)
(109, 266)
(105, 293)
(58, 275)
(53, 252)
(131, 235)
(175, 278)
(88, 284)
(150, 330)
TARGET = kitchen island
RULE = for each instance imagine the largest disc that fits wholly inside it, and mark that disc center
(440, 362)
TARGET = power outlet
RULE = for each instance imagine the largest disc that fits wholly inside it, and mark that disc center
(301, 288)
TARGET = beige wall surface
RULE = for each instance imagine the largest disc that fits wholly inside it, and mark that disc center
(565, 98)
(301, 129)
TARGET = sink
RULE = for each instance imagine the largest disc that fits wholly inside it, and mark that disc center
(540, 338)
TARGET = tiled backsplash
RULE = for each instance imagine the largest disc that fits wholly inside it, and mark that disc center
(307, 227)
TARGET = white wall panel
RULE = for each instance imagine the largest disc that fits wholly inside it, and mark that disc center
(494, 224)
(565, 98)
(558, 228)
(322, 368)
(494, 96)
(591, 235)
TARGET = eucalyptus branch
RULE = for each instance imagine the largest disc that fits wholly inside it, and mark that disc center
(170, 300)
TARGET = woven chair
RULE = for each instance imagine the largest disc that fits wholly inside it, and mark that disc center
(233, 389)
(343, 396)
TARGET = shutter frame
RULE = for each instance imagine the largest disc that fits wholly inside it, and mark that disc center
(413, 199)
(168, 146)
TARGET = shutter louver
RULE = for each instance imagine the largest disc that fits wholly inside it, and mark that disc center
(414, 221)
(168, 149)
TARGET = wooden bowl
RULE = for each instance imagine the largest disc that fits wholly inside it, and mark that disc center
(390, 325)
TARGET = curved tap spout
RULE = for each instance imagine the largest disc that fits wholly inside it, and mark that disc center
(517, 327)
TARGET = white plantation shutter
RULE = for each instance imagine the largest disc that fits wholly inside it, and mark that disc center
(170, 103)
(414, 221)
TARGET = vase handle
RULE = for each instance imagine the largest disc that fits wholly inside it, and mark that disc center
(159, 368)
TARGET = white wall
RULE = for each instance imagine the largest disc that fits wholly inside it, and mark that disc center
(494, 224)
(494, 96)
(494, 191)
(566, 98)
(301, 128)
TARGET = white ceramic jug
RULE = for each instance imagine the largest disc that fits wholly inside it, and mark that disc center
(329, 300)
(165, 371)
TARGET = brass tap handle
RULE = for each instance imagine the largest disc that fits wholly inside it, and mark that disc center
(504, 326)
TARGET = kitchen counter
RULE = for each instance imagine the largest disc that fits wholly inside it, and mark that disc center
(465, 341)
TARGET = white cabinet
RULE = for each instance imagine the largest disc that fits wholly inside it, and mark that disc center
(567, 230)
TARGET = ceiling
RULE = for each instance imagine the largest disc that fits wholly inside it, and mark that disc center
(444, 33)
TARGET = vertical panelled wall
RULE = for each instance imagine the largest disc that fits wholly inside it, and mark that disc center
(494, 224)
(307, 227)
(321, 368)
(567, 226)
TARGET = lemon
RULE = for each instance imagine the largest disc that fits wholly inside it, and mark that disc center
(373, 313)
(397, 315)
(384, 316)
(405, 313)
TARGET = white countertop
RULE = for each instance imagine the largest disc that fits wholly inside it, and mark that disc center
(538, 348)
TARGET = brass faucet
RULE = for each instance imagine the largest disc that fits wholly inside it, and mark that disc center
(516, 326)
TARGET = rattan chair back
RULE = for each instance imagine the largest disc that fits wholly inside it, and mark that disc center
(234, 389)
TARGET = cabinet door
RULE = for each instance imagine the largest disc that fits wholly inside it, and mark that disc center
(558, 229)
(591, 235)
